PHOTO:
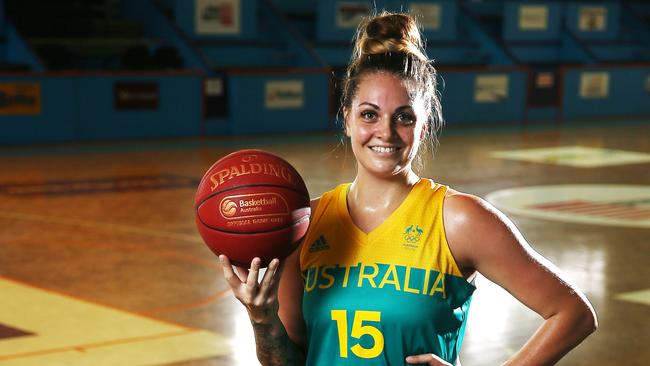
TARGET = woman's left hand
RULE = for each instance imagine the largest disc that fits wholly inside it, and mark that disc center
(427, 359)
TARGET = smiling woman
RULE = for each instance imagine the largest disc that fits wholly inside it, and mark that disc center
(384, 125)
(385, 272)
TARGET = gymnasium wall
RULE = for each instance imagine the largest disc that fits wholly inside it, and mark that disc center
(483, 96)
(273, 101)
(602, 91)
(273, 66)
(59, 107)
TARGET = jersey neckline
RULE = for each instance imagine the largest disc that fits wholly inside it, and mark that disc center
(359, 235)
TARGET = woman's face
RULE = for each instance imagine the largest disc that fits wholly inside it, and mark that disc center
(385, 125)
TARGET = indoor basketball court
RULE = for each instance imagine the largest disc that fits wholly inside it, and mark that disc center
(101, 262)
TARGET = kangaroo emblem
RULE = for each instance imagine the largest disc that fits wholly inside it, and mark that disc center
(412, 235)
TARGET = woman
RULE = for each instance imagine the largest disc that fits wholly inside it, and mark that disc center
(383, 276)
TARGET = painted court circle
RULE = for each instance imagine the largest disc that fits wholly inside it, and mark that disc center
(599, 204)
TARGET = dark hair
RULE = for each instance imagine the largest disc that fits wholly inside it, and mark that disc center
(391, 42)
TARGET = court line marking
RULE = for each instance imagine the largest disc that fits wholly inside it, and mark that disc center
(639, 297)
(133, 248)
(524, 201)
(88, 346)
(180, 307)
(160, 351)
(115, 184)
(108, 306)
(101, 225)
(83, 345)
(574, 156)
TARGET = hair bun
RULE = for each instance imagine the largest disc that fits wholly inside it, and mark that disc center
(388, 25)
(389, 32)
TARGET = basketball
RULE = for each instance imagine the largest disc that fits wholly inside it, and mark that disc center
(252, 203)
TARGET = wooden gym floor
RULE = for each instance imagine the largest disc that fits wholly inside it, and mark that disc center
(100, 262)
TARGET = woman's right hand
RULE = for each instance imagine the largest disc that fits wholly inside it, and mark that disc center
(259, 298)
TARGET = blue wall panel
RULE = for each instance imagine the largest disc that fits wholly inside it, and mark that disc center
(249, 56)
(178, 113)
(617, 53)
(542, 114)
(81, 107)
(251, 115)
(459, 104)
(627, 94)
(336, 56)
(537, 54)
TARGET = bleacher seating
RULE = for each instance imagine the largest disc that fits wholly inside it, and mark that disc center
(82, 34)
(95, 34)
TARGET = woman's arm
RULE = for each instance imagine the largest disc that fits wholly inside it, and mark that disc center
(484, 239)
(274, 306)
(274, 345)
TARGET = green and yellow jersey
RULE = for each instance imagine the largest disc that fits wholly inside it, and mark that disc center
(373, 299)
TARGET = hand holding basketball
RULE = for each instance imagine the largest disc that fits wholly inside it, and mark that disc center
(259, 298)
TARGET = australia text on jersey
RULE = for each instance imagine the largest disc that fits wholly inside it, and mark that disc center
(376, 275)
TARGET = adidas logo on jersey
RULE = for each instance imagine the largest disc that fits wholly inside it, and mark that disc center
(319, 245)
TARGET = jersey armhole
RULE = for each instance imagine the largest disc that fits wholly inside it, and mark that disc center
(323, 202)
(443, 235)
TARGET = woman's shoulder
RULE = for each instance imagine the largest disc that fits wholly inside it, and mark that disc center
(461, 203)
(465, 211)
(471, 224)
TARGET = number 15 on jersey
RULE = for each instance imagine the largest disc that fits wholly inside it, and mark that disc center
(358, 330)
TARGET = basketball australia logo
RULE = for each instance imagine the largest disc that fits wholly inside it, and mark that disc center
(254, 209)
(228, 208)
(412, 236)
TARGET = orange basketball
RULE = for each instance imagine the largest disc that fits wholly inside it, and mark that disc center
(252, 203)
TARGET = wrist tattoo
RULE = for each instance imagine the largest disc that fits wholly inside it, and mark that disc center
(274, 347)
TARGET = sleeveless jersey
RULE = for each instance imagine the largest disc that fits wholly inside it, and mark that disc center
(373, 299)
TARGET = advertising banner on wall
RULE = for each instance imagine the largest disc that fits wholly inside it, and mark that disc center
(490, 88)
(284, 94)
(20, 98)
(594, 85)
(349, 14)
(136, 95)
(533, 17)
(216, 17)
(429, 15)
(592, 18)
